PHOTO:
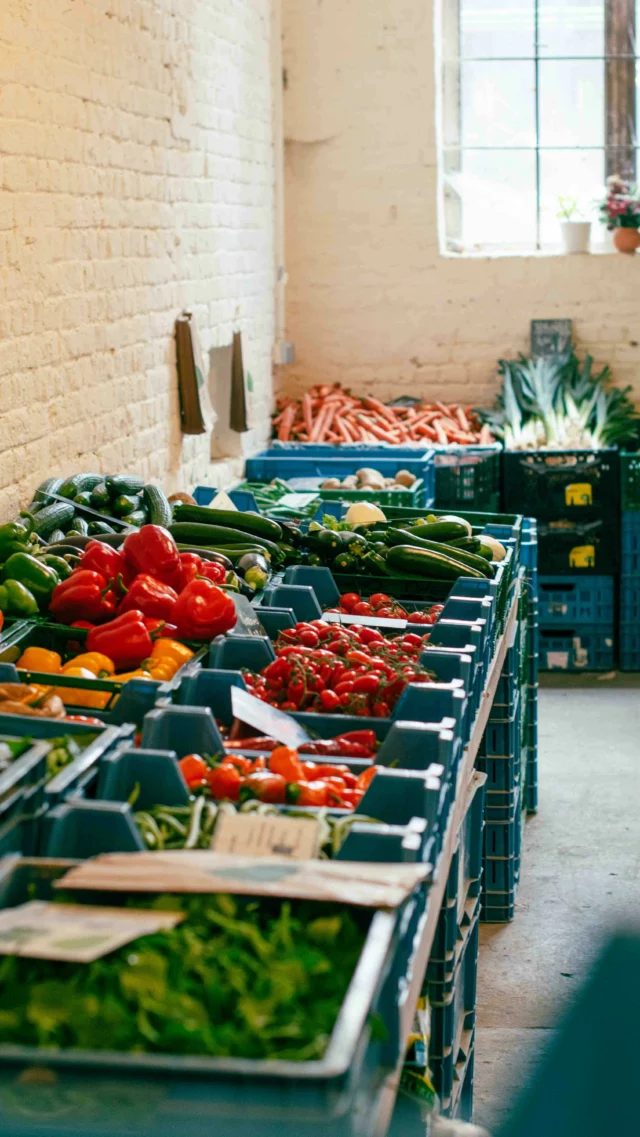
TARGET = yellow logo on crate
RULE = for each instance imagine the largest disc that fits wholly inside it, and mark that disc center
(578, 493)
(582, 556)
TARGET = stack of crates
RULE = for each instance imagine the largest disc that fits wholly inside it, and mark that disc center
(449, 993)
(630, 564)
(468, 478)
(574, 495)
(529, 616)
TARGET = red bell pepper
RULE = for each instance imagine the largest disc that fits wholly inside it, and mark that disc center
(125, 640)
(101, 558)
(159, 629)
(203, 611)
(152, 550)
(150, 597)
(214, 571)
(85, 595)
(189, 568)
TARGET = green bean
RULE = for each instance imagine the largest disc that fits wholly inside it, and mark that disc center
(196, 821)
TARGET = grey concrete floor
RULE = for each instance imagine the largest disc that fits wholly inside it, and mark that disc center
(580, 872)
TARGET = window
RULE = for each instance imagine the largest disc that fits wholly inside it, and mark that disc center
(538, 101)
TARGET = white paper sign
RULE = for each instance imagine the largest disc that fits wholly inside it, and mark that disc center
(267, 720)
(257, 835)
(76, 933)
(368, 621)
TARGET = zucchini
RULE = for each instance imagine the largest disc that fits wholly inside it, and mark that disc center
(229, 518)
(97, 527)
(485, 551)
(402, 537)
(54, 516)
(125, 504)
(470, 544)
(440, 531)
(429, 564)
(79, 528)
(79, 483)
(157, 506)
(124, 483)
(137, 517)
(100, 496)
(189, 533)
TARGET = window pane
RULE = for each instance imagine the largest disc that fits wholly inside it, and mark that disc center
(498, 196)
(498, 104)
(574, 174)
(571, 27)
(572, 103)
(493, 28)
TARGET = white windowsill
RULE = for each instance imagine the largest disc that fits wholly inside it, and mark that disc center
(495, 254)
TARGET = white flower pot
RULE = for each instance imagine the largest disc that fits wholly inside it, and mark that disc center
(576, 236)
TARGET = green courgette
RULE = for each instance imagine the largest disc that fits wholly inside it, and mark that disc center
(206, 536)
(485, 551)
(440, 531)
(470, 544)
(138, 518)
(428, 564)
(158, 507)
(403, 537)
(124, 483)
(79, 483)
(54, 516)
(100, 496)
(229, 518)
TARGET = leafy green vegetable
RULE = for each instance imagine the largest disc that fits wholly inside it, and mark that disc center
(237, 978)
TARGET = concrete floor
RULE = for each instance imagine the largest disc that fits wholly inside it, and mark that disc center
(580, 871)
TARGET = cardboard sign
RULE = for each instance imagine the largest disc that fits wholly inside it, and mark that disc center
(267, 720)
(550, 337)
(76, 933)
(364, 884)
(256, 835)
(248, 623)
(299, 501)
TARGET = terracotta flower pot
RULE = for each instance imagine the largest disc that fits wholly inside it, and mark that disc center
(626, 240)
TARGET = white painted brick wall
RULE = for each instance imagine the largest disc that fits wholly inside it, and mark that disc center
(136, 179)
(371, 302)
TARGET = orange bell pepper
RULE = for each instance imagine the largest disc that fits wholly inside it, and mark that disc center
(82, 697)
(137, 674)
(40, 659)
(161, 669)
(172, 649)
(94, 661)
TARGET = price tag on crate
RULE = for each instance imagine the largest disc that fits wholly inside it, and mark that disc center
(267, 720)
(248, 623)
(257, 835)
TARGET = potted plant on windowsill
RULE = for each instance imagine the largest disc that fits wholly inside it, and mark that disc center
(620, 212)
(576, 232)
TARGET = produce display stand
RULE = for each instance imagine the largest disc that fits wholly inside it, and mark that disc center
(383, 1109)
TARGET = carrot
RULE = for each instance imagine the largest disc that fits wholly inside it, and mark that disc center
(307, 412)
(462, 419)
(284, 430)
(486, 436)
(375, 405)
(326, 425)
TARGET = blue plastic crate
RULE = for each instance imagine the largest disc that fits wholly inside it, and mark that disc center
(630, 543)
(502, 734)
(502, 910)
(501, 840)
(455, 1013)
(531, 785)
(450, 1079)
(294, 461)
(501, 805)
(629, 650)
(576, 649)
(507, 684)
(572, 601)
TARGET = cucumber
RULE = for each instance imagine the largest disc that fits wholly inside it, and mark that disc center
(157, 506)
(138, 517)
(229, 518)
(79, 483)
(125, 504)
(124, 483)
(429, 564)
(403, 537)
(100, 496)
(440, 531)
(54, 516)
(49, 485)
(97, 527)
(470, 544)
(189, 533)
(56, 537)
(83, 498)
(79, 528)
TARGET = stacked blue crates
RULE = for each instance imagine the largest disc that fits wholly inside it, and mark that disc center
(574, 494)
(630, 565)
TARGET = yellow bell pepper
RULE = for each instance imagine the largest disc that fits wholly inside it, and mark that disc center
(172, 649)
(40, 659)
(162, 669)
(126, 675)
(79, 697)
(94, 661)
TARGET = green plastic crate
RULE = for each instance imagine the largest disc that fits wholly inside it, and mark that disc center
(468, 477)
(630, 481)
(410, 497)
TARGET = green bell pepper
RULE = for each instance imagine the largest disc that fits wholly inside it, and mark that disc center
(16, 600)
(38, 577)
(14, 537)
(62, 567)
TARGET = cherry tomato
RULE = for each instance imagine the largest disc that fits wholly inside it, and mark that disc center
(264, 786)
(367, 684)
(370, 636)
(349, 599)
(379, 599)
(244, 765)
(385, 613)
(381, 710)
(362, 609)
(309, 638)
(308, 793)
(224, 782)
(412, 640)
(329, 700)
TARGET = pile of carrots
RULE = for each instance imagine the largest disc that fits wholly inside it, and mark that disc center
(331, 414)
